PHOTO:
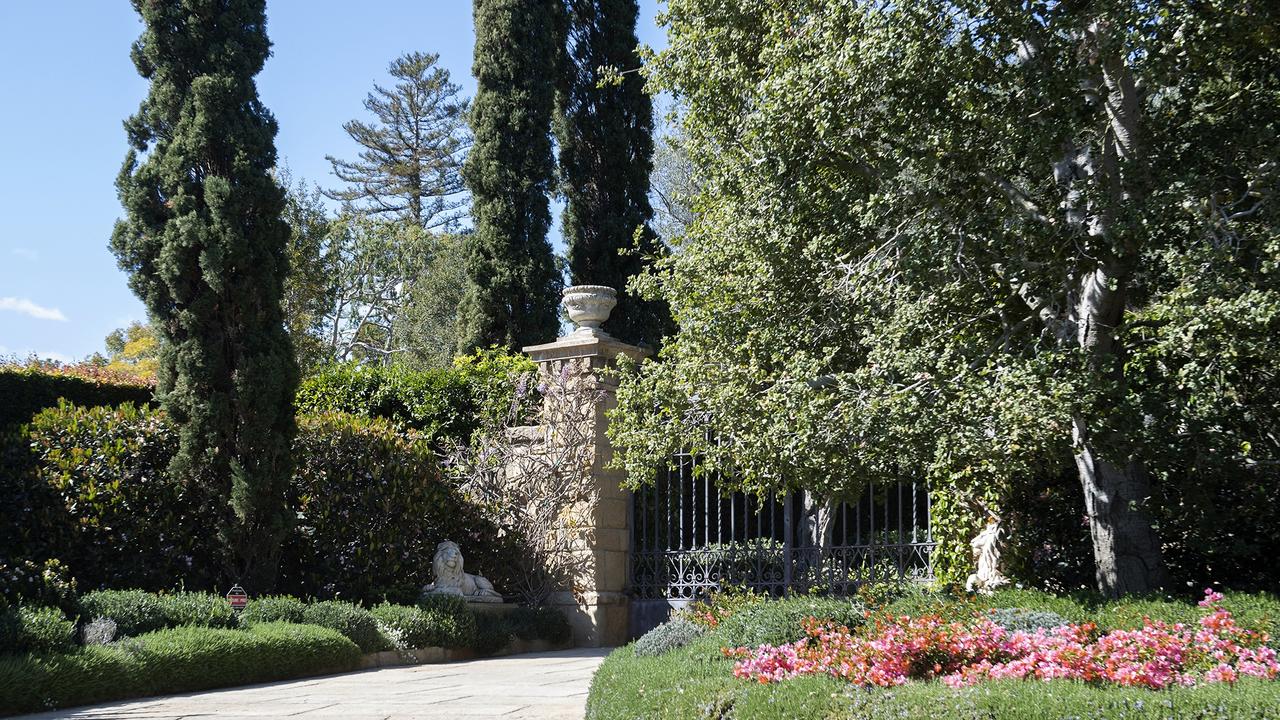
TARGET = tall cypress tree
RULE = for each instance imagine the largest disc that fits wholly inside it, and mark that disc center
(513, 294)
(606, 155)
(205, 244)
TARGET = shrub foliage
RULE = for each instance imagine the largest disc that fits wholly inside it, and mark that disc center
(31, 388)
(170, 661)
(353, 621)
(675, 633)
(371, 501)
(36, 630)
(135, 611)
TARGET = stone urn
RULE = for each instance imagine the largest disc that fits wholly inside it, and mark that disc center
(589, 306)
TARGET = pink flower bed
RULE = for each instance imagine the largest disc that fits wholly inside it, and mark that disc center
(898, 649)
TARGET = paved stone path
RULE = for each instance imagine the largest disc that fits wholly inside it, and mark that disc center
(550, 686)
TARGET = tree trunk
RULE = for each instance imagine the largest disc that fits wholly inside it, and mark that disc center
(1126, 549)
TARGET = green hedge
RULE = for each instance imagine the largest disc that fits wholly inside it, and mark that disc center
(354, 622)
(782, 621)
(437, 403)
(455, 621)
(443, 404)
(136, 612)
(273, 608)
(372, 506)
(171, 661)
(28, 390)
(113, 515)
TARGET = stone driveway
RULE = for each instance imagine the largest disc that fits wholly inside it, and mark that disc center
(550, 685)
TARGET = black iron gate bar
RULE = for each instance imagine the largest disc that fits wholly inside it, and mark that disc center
(689, 539)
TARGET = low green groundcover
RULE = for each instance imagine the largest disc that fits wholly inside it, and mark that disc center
(169, 661)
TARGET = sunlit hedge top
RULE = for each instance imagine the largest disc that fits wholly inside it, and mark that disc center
(29, 387)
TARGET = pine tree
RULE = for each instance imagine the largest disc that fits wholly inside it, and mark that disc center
(513, 293)
(411, 162)
(605, 131)
(204, 243)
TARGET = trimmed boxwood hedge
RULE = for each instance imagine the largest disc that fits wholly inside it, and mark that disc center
(170, 661)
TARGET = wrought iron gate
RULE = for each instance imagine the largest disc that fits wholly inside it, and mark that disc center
(689, 540)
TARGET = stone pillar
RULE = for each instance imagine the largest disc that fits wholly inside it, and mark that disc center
(599, 612)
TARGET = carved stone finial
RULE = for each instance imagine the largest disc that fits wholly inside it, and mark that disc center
(452, 580)
(589, 307)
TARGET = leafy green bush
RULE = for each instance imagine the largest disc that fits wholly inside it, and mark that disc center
(674, 633)
(372, 506)
(136, 611)
(413, 627)
(372, 500)
(1020, 619)
(782, 621)
(405, 626)
(36, 630)
(542, 623)
(500, 383)
(24, 582)
(356, 623)
(455, 623)
(170, 661)
(492, 635)
(117, 519)
(436, 403)
(715, 609)
(273, 608)
(442, 404)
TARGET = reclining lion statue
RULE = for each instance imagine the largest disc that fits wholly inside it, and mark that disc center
(452, 580)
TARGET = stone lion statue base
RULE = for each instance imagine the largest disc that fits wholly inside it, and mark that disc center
(451, 579)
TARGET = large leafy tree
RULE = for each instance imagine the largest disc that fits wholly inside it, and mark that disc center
(310, 285)
(605, 132)
(512, 297)
(674, 185)
(133, 350)
(204, 244)
(429, 321)
(1066, 244)
(411, 158)
(375, 263)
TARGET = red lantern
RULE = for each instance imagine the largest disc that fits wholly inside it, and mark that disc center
(237, 597)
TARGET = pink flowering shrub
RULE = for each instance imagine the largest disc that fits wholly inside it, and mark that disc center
(897, 649)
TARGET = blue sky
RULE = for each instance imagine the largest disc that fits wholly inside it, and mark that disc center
(67, 84)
